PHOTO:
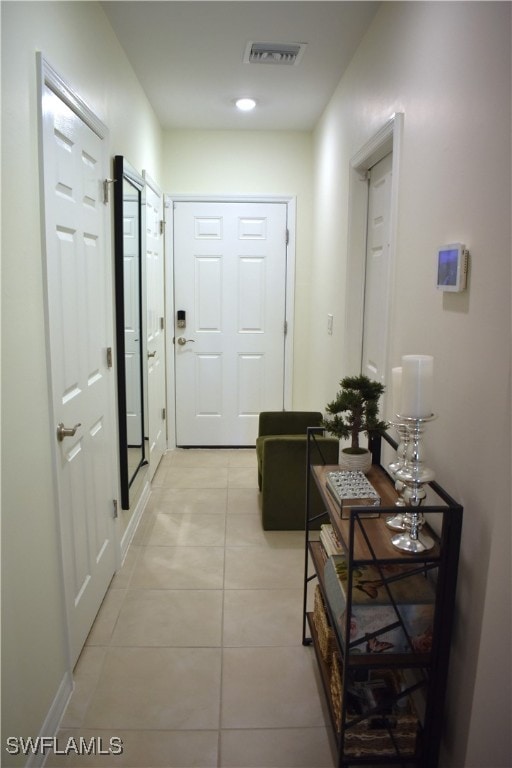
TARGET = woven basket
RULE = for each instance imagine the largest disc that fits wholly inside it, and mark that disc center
(366, 737)
(323, 628)
(336, 688)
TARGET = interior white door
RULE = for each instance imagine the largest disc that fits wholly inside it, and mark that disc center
(155, 314)
(132, 321)
(79, 314)
(376, 296)
(230, 281)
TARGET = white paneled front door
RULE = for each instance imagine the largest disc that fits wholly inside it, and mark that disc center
(230, 283)
(376, 296)
(79, 314)
(155, 314)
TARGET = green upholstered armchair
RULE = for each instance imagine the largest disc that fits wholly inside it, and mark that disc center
(281, 454)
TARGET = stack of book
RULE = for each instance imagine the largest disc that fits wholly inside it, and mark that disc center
(330, 541)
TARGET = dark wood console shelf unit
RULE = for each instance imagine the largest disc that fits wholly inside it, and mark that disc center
(382, 620)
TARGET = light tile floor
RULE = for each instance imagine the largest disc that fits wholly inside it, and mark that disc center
(195, 658)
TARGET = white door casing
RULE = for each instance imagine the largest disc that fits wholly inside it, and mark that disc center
(170, 390)
(79, 331)
(388, 139)
(230, 280)
(376, 295)
(155, 322)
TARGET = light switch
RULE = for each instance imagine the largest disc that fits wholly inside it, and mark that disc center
(329, 324)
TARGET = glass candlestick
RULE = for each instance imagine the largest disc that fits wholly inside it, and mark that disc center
(415, 475)
(396, 522)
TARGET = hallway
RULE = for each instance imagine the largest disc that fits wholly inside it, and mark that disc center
(195, 658)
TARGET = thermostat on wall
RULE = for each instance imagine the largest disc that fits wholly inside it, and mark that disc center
(452, 267)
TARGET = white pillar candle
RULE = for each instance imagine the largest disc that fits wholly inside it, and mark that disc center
(396, 391)
(417, 386)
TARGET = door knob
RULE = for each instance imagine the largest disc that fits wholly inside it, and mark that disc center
(182, 341)
(63, 431)
(152, 354)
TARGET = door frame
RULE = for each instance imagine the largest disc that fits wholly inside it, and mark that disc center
(387, 139)
(371, 320)
(291, 207)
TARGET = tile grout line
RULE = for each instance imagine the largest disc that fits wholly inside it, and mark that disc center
(140, 548)
(221, 682)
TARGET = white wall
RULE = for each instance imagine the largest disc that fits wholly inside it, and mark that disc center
(254, 163)
(78, 42)
(446, 66)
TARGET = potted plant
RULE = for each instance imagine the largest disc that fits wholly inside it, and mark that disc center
(354, 410)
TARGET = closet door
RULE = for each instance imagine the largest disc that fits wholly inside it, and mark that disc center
(376, 294)
(155, 323)
(79, 332)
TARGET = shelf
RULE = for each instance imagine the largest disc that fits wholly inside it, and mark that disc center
(366, 541)
(388, 757)
(375, 528)
(392, 660)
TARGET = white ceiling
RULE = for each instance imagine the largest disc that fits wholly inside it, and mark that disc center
(188, 56)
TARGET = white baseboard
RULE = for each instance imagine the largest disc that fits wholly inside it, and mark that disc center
(56, 712)
(135, 520)
(53, 719)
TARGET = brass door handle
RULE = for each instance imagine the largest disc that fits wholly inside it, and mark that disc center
(63, 431)
(182, 341)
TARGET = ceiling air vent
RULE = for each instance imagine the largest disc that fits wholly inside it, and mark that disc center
(274, 53)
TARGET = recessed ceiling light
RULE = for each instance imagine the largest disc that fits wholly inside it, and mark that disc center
(245, 105)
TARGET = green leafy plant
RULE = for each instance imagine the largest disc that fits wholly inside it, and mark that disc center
(354, 410)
